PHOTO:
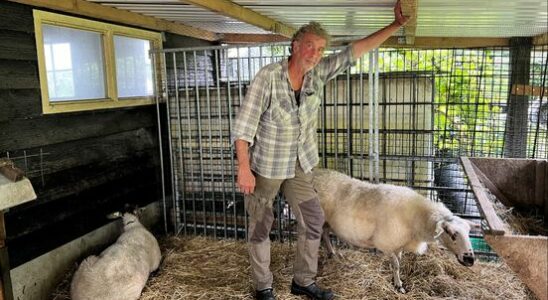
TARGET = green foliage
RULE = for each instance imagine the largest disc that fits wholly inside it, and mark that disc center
(464, 104)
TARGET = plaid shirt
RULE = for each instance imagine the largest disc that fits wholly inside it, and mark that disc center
(278, 130)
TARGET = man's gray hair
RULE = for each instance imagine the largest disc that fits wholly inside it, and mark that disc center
(312, 27)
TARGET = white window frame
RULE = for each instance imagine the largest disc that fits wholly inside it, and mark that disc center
(107, 32)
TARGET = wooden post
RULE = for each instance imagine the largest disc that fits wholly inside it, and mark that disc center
(6, 291)
(515, 135)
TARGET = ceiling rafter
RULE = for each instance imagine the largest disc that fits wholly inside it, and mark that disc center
(235, 38)
(89, 9)
(409, 9)
(246, 15)
(392, 42)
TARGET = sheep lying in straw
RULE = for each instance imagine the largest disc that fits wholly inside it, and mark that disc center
(121, 271)
(388, 217)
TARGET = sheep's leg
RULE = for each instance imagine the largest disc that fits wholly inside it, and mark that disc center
(395, 260)
(327, 241)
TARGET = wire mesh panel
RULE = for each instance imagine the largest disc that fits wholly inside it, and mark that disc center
(423, 110)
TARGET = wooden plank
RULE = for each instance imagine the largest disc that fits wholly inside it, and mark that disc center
(94, 10)
(527, 256)
(4, 114)
(15, 74)
(16, 17)
(540, 187)
(487, 183)
(112, 148)
(541, 39)
(453, 42)
(5, 285)
(392, 42)
(546, 194)
(38, 132)
(2, 230)
(409, 9)
(20, 104)
(6, 291)
(238, 12)
(235, 38)
(84, 179)
(528, 90)
(496, 226)
(17, 45)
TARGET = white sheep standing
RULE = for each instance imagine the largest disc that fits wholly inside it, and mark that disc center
(121, 271)
(389, 218)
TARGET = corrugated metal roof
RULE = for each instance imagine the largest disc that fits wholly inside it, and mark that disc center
(435, 18)
(179, 12)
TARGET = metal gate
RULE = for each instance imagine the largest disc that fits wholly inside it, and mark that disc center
(397, 116)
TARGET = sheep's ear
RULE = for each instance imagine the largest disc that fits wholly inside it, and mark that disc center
(114, 215)
(138, 211)
(447, 227)
(439, 229)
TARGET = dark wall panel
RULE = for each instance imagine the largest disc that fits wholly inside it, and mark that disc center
(16, 17)
(91, 163)
(60, 128)
(17, 45)
(18, 74)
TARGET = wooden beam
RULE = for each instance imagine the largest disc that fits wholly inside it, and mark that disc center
(89, 9)
(541, 39)
(392, 42)
(495, 224)
(409, 9)
(528, 90)
(442, 43)
(235, 38)
(238, 12)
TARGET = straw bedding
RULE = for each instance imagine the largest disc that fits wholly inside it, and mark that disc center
(203, 268)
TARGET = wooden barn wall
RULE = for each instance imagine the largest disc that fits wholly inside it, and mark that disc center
(92, 163)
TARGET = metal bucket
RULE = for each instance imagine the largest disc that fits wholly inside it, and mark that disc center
(521, 184)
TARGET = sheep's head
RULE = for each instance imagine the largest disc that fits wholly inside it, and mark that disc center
(454, 235)
(128, 217)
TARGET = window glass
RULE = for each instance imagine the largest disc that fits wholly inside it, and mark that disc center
(133, 67)
(74, 64)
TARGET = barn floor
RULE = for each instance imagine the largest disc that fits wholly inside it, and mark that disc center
(202, 268)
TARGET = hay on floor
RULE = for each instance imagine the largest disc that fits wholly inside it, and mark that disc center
(203, 268)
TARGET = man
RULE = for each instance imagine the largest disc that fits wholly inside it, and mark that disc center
(275, 140)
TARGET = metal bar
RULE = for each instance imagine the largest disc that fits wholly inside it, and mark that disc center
(336, 121)
(190, 148)
(219, 108)
(361, 110)
(386, 115)
(240, 98)
(170, 143)
(539, 113)
(233, 170)
(210, 136)
(162, 179)
(178, 175)
(371, 120)
(200, 143)
(376, 104)
(348, 97)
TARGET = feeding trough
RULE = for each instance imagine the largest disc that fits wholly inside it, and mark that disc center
(520, 185)
(15, 189)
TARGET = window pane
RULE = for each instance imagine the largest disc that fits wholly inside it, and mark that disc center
(133, 67)
(74, 64)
